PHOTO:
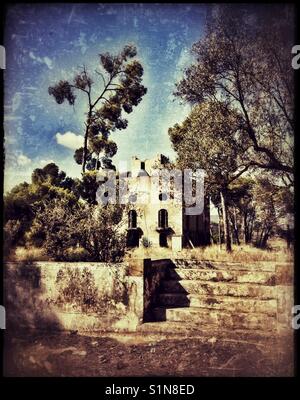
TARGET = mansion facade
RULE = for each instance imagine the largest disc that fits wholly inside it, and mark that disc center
(162, 220)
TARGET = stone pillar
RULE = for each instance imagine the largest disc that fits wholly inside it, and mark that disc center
(177, 243)
(136, 287)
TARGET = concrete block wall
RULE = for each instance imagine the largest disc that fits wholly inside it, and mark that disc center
(121, 297)
(73, 296)
(197, 295)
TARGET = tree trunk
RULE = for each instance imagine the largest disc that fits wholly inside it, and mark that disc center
(256, 241)
(84, 154)
(208, 230)
(211, 236)
(245, 228)
(235, 227)
(219, 229)
(251, 225)
(288, 237)
(225, 222)
(262, 234)
(265, 238)
(97, 162)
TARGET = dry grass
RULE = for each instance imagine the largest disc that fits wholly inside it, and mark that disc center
(28, 254)
(37, 254)
(243, 253)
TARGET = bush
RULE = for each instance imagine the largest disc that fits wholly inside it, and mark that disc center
(146, 242)
(81, 232)
(12, 231)
(36, 235)
(55, 223)
(100, 233)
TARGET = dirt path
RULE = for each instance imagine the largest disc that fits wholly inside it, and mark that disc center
(139, 355)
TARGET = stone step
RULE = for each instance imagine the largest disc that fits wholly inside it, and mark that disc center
(210, 332)
(227, 320)
(235, 304)
(234, 276)
(207, 288)
(257, 266)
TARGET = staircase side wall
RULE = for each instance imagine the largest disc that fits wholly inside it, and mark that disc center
(73, 296)
(154, 272)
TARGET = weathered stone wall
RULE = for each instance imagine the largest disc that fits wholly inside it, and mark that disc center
(154, 273)
(147, 208)
(73, 296)
(120, 297)
(255, 295)
(285, 295)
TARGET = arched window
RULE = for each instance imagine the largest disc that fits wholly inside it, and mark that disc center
(163, 218)
(162, 196)
(132, 217)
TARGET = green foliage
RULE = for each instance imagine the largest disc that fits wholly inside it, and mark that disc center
(208, 139)
(62, 91)
(88, 186)
(243, 63)
(36, 235)
(58, 214)
(22, 202)
(259, 206)
(122, 90)
(270, 206)
(12, 233)
(55, 222)
(146, 242)
(17, 203)
(242, 117)
(101, 233)
(94, 229)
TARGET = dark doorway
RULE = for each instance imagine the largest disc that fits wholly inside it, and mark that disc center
(133, 234)
(132, 219)
(163, 242)
(163, 218)
(133, 238)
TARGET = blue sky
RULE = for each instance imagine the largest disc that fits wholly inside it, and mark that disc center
(45, 43)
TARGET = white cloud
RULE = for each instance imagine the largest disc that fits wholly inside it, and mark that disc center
(42, 60)
(16, 101)
(43, 162)
(48, 62)
(81, 43)
(185, 60)
(11, 117)
(69, 140)
(23, 160)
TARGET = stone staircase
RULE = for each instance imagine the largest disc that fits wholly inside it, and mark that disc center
(199, 296)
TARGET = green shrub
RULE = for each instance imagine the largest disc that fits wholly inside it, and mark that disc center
(12, 230)
(146, 242)
(94, 230)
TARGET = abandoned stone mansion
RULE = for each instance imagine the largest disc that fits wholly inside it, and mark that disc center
(161, 221)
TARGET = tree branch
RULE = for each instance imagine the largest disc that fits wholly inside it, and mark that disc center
(275, 163)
